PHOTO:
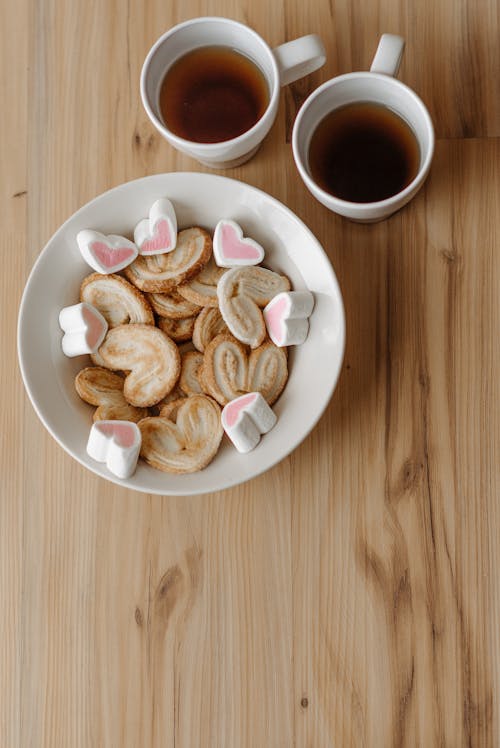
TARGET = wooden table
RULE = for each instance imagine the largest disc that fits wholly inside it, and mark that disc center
(348, 597)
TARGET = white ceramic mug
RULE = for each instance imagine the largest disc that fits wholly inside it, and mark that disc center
(281, 65)
(378, 86)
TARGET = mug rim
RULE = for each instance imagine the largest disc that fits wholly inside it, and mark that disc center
(184, 143)
(350, 204)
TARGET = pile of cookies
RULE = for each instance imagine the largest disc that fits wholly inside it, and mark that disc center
(187, 336)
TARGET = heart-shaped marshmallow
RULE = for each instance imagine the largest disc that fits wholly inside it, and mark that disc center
(245, 419)
(84, 329)
(158, 233)
(117, 443)
(106, 254)
(231, 249)
(287, 317)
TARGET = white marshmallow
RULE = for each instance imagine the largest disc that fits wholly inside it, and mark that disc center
(106, 254)
(245, 419)
(287, 317)
(231, 249)
(158, 233)
(117, 443)
(84, 329)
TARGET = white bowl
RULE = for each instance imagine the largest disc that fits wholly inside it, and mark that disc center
(199, 199)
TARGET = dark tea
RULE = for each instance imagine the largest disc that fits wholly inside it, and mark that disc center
(363, 152)
(212, 94)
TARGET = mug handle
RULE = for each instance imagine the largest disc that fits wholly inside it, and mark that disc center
(299, 57)
(388, 55)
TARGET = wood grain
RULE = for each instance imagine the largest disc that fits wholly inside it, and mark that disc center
(348, 597)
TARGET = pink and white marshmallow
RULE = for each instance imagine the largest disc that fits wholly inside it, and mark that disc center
(232, 249)
(117, 443)
(84, 329)
(158, 233)
(245, 419)
(106, 254)
(287, 317)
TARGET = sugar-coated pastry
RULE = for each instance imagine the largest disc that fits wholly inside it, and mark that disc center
(117, 443)
(245, 419)
(224, 373)
(104, 388)
(170, 410)
(97, 361)
(191, 361)
(202, 289)
(229, 371)
(207, 326)
(187, 445)
(118, 300)
(172, 305)
(84, 329)
(179, 330)
(105, 254)
(268, 371)
(151, 358)
(231, 249)
(162, 273)
(175, 394)
(242, 292)
(158, 233)
(287, 317)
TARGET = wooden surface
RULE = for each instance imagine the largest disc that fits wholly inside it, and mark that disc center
(350, 596)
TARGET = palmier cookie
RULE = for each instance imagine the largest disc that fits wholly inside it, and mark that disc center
(187, 445)
(118, 301)
(149, 355)
(104, 388)
(172, 305)
(170, 410)
(161, 273)
(207, 326)
(175, 394)
(189, 382)
(179, 330)
(229, 371)
(242, 292)
(202, 289)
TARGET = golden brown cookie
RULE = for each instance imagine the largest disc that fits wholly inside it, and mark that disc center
(202, 289)
(187, 445)
(268, 371)
(96, 359)
(229, 371)
(172, 305)
(190, 366)
(118, 301)
(149, 355)
(104, 388)
(175, 394)
(179, 330)
(207, 326)
(170, 410)
(242, 292)
(162, 273)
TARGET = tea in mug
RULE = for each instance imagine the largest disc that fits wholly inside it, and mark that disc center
(363, 152)
(212, 94)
